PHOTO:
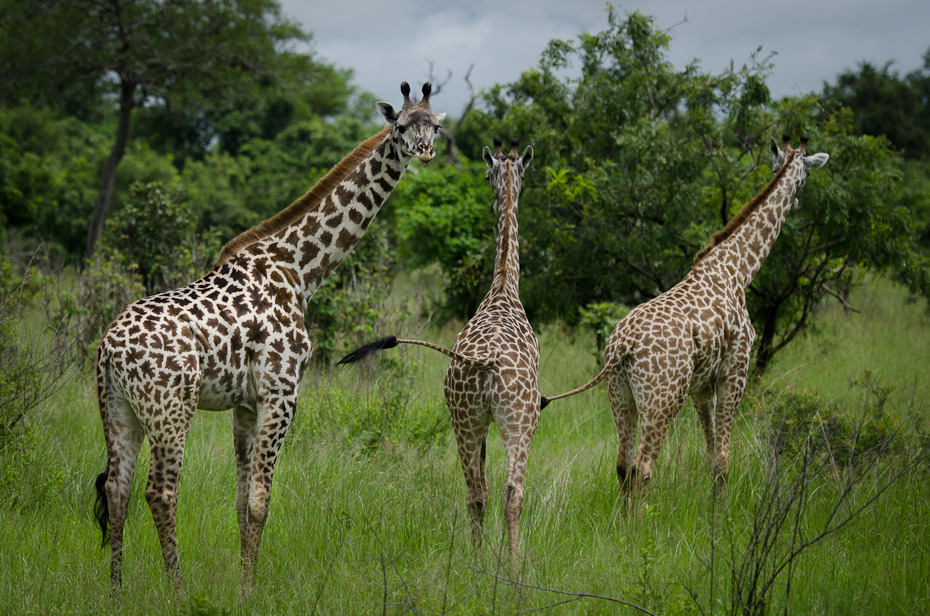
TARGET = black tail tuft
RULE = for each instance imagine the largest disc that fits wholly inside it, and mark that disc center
(101, 509)
(388, 342)
(543, 401)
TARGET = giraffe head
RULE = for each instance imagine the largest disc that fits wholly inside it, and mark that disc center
(800, 158)
(416, 123)
(505, 172)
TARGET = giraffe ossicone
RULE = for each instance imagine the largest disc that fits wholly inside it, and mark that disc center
(696, 338)
(235, 339)
(493, 375)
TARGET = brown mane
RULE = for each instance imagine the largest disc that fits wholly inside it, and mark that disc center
(298, 208)
(721, 236)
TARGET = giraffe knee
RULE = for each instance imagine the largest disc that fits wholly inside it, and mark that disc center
(160, 498)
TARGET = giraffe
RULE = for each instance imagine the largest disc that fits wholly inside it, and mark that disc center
(493, 375)
(236, 339)
(695, 339)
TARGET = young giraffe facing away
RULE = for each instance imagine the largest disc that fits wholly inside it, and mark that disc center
(696, 338)
(493, 375)
(235, 339)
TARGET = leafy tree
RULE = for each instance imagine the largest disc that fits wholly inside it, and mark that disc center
(884, 103)
(444, 216)
(138, 52)
(152, 219)
(49, 175)
(638, 164)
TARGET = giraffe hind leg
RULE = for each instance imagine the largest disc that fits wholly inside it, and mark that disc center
(161, 491)
(124, 439)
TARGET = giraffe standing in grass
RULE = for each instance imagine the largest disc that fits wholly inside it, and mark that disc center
(696, 338)
(494, 371)
(235, 339)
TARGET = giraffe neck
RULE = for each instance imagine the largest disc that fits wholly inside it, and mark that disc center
(747, 240)
(312, 236)
(507, 260)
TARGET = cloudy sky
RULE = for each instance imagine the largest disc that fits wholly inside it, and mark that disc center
(389, 42)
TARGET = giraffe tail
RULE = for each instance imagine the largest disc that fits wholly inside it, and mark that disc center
(101, 506)
(389, 342)
(597, 379)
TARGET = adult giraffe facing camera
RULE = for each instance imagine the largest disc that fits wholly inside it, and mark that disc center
(235, 339)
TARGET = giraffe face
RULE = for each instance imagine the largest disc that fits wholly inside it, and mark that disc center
(416, 124)
(505, 172)
(804, 162)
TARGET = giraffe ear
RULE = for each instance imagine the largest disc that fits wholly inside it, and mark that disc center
(527, 157)
(774, 147)
(815, 161)
(438, 118)
(387, 113)
(488, 157)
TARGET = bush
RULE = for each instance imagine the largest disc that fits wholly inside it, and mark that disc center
(156, 231)
(34, 360)
(846, 434)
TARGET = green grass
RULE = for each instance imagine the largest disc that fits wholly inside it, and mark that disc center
(368, 506)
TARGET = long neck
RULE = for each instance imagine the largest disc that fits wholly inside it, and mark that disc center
(507, 261)
(314, 235)
(749, 238)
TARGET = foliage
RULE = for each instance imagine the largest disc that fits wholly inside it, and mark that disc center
(644, 162)
(445, 216)
(178, 55)
(155, 231)
(34, 363)
(885, 104)
(601, 317)
(796, 417)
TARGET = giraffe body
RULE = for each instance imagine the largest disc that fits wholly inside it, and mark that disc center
(696, 338)
(494, 372)
(235, 339)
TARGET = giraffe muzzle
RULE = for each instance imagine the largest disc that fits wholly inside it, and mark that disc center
(426, 152)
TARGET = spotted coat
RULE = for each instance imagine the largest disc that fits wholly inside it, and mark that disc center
(236, 339)
(696, 338)
(493, 375)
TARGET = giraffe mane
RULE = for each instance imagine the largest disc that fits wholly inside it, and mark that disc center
(312, 197)
(745, 212)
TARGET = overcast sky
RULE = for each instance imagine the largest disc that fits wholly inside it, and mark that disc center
(387, 42)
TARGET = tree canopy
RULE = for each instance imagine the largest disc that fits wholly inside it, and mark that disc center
(219, 114)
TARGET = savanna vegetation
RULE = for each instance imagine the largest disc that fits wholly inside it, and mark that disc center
(125, 167)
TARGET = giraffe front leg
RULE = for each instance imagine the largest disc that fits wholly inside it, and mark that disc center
(245, 428)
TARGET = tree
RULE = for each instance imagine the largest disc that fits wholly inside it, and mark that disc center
(638, 164)
(884, 104)
(138, 52)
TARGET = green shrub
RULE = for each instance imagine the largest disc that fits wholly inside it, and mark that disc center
(846, 434)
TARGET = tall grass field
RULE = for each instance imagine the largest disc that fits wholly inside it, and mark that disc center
(827, 510)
